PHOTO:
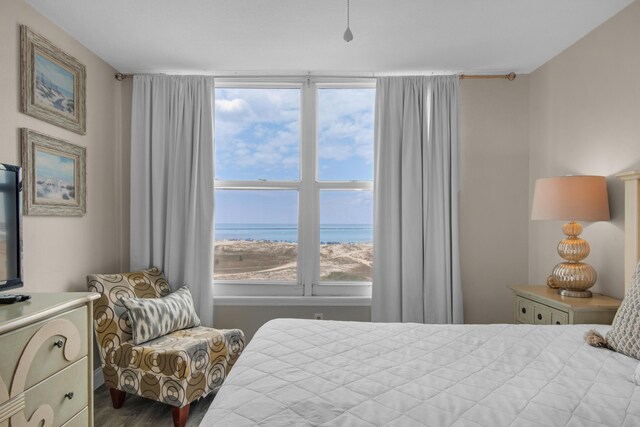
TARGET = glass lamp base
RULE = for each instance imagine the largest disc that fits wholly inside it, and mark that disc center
(575, 294)
(574, 278)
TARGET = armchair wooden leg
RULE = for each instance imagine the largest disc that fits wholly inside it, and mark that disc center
(180, 415)
(117, 397)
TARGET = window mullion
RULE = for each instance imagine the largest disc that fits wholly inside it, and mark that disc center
(308, 205)
(259, 185)
(345, 185)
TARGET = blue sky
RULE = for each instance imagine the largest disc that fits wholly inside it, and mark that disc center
(346, 207)
(281, 207)
(257, 136)
(256, 207)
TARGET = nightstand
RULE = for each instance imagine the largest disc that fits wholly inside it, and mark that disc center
(541, 305)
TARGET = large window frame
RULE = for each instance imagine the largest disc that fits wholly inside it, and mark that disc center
(308, 186)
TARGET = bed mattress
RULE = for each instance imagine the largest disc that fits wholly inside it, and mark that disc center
(325, 373)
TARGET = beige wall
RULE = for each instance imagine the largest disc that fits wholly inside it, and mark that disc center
(585, 119)
(493, 195)
(250, 318)
(123, 163)
(60, 251)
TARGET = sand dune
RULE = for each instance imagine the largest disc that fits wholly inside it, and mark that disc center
(263, 260)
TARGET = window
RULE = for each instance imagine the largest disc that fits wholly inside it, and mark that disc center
(294, 188)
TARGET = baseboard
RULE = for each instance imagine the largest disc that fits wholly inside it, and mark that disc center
(98, 378)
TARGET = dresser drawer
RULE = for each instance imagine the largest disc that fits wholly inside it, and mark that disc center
(52, 391)
(524, 310)
(46, 357)
(80, 420)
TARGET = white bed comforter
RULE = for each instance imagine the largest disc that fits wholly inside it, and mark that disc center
(324, 373)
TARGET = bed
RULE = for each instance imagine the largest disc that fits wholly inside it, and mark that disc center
(305, 372)
(324, 373)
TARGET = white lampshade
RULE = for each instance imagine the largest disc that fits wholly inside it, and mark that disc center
(571, 198)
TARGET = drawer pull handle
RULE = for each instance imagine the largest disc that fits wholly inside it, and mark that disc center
(539, 316)
(69, 395)
(524, 310)
(58, 343)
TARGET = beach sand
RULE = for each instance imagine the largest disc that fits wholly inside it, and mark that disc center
(264, 260)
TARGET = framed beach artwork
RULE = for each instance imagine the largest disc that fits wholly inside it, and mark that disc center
(52, 83)
(54, 178)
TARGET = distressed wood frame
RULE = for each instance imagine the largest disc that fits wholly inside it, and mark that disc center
(32, 43)
(32, 140)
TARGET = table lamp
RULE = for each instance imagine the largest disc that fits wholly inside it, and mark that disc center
(572, 198)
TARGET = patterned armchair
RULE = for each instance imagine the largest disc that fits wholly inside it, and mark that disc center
(177, 368)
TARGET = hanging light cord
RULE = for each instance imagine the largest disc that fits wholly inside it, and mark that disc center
(348, 7)
(348, 35)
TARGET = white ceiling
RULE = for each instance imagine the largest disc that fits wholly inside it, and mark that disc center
(272, 36)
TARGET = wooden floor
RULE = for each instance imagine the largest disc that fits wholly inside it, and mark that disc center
(138, 411)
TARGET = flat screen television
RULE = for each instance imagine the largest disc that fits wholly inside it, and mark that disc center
(10, 227)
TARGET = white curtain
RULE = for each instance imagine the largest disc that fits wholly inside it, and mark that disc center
(172, 172)
(416, 265)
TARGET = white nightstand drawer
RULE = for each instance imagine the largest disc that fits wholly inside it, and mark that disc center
(541, 314)
(559, 317)
(524, 312)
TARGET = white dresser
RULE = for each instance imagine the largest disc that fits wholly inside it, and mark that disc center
(46, 361)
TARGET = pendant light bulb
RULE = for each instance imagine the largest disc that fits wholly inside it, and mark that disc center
(348, 35)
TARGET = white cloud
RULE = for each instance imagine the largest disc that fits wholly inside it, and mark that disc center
(335, 151)
(232, 106)
(346, 124)
(272, 153)
(258, 132)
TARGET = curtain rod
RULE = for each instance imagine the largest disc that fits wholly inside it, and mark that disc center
(511, 76)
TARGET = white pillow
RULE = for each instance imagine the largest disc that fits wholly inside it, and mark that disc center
(636, 375)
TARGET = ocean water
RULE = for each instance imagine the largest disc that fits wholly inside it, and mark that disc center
(329, 233)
